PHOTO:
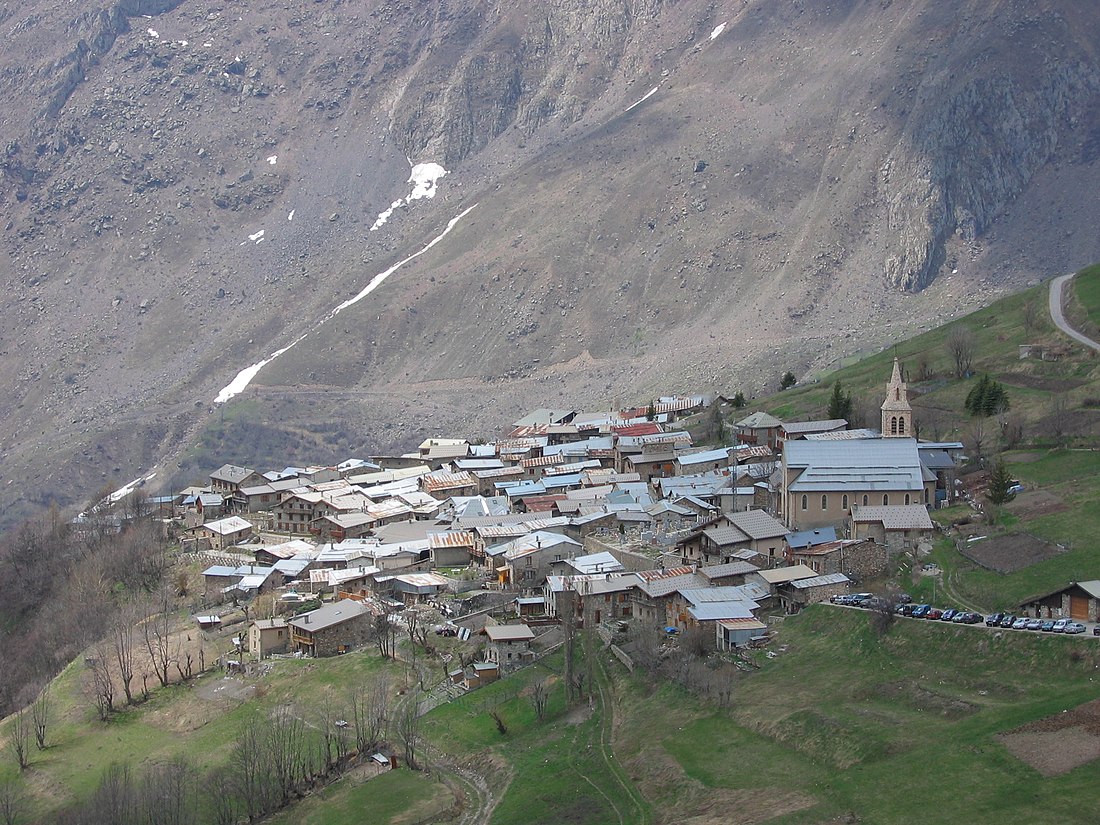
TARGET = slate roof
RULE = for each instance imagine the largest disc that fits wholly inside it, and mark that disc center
(759, 421)
(329, 615)
(231, 473)
(895, 516)
(808, 538)
(820, 581)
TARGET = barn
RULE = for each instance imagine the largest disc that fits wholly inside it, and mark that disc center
(1079, 601)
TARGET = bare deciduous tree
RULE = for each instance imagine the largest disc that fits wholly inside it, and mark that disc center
(1058, 420)
(20, 739)
(1031, 317)
(166, 795)
(40, 717)
(122, 644)
(385, 635)
(540, 695)
(407, 730)
(158, 638)
(370, 713)
(98, 684)
(960, 346)
(222, 795)
(975, 440)
(13, 801)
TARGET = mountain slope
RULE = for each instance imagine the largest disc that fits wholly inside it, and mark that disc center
(797, 174)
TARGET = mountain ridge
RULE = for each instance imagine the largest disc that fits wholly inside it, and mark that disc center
(732, 224)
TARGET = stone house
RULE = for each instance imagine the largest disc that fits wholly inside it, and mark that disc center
(509, 645)
(898, 527)
(229, 478)
(226, 532)
(859, 559)
(797, 594)
(333, 628)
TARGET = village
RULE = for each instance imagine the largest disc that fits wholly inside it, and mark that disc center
(608, 521)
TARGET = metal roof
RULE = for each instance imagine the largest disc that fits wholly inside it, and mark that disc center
(820, 581)
(509, 632)
(801, 427)
(225, 526)
(874, 464)
(808, 538)
(781, 575)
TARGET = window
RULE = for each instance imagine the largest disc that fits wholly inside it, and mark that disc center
(906, 498)
(805, 502)
(885, 499)
(901, 426)
(844, 503)
(529, 561)
(864, 499)
(894, 425)
(824, 502)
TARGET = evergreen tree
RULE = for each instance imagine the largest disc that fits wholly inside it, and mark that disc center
(840, 403)
(999, 484)
(787, 381)
(987, 397)
(739, 400)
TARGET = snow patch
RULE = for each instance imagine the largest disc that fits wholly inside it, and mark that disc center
(126, 489)
(643, 98)
(256, 237)
(273, 159)
(183, 43)
(245, 376)
(721, 27)
(423, 177)
(290, 217)
(153, 33)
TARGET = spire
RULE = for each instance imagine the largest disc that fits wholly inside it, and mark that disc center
(897, 415)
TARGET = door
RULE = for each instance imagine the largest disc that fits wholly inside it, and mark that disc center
(1079, 608)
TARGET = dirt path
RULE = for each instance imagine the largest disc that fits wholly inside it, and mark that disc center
(607, 723)
(1056, 290)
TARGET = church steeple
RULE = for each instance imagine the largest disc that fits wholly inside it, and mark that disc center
(897, 415)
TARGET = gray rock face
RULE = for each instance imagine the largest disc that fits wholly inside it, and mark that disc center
(657, 208)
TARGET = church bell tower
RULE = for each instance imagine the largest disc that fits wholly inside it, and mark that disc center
(897, 415)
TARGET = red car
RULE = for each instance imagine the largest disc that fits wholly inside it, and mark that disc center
(934, 613)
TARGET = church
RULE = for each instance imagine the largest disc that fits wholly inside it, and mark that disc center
(822, 480)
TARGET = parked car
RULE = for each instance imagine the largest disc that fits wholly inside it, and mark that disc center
(903, 598)
(994, 620)
(949, 614)
(1074, 627)
(1020, 623)
(1007, 620)
(1060, 626)
(965, 617)
(906, 609)
(934, 613)
(921, 611)
(1047, 626)
(975, 618)
(1035, 624)
(1096, 630)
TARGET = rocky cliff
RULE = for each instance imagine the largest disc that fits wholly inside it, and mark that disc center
(654, 196)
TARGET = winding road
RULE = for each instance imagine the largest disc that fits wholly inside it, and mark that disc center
(1056, 291)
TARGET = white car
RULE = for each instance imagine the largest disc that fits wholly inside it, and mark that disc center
(1074, 627)
(1060, 625)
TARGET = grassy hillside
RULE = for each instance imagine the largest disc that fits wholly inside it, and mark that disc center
(1056, 406)
(842, 722)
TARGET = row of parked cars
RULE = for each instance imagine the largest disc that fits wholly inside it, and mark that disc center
(927, 611)
(1042, 625)
(904, 607)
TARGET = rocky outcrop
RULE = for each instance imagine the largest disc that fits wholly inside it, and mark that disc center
(970, 148)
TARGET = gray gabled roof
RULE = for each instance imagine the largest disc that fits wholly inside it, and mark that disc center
(231, 473)
(329, 615)
(875, 464)
(759, 421)
(756, 524)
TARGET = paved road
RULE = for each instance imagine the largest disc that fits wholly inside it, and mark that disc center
(1056, 287)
